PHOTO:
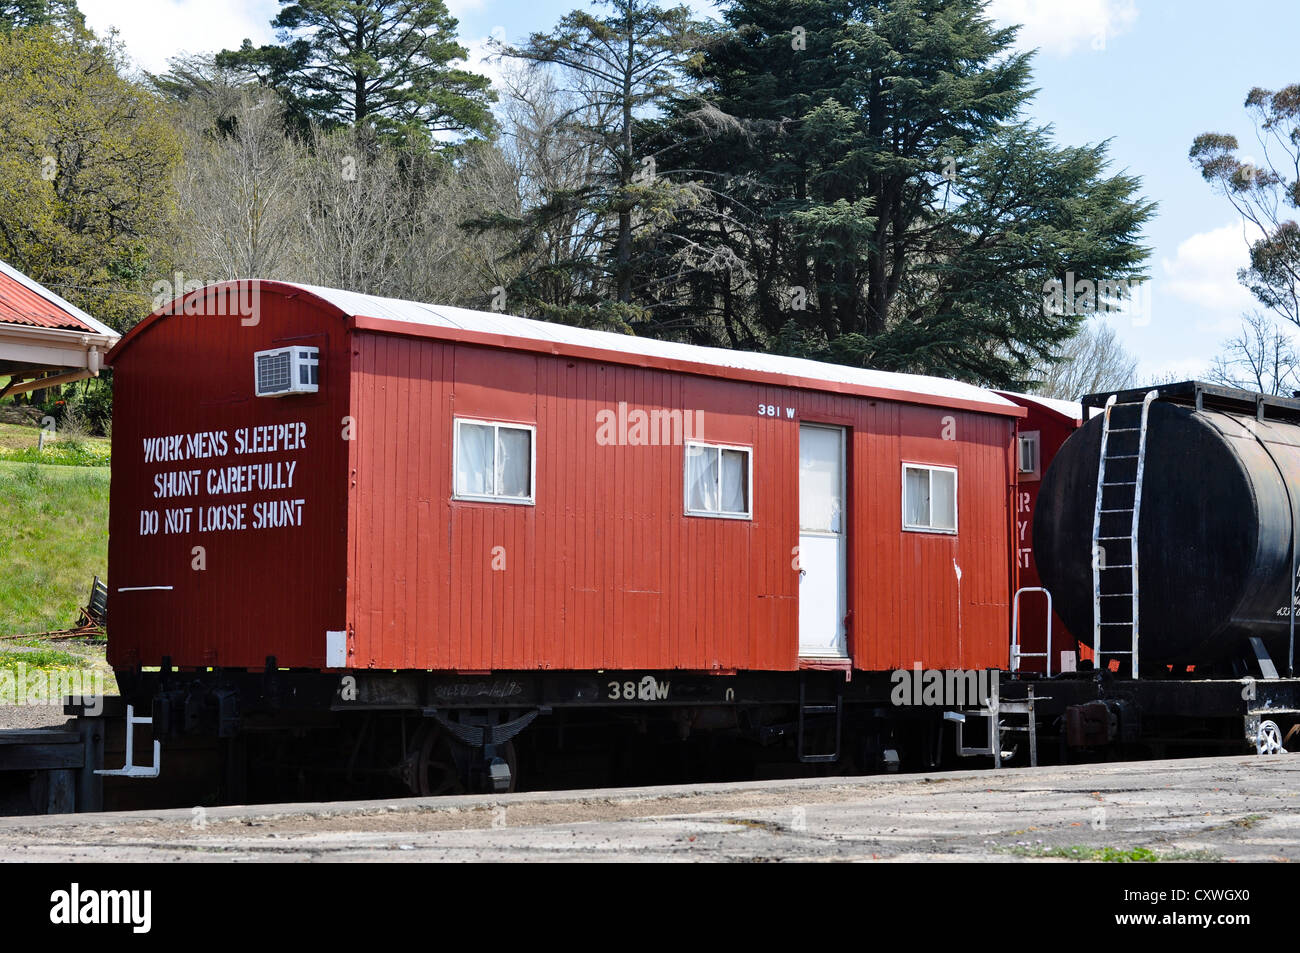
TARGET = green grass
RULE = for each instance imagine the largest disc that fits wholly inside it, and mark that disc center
(1111, 855)
(18, 444)
(43, 658)
(54, 523)
(46, 674)
(56, 455)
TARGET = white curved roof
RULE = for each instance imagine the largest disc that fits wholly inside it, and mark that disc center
(393, 309)
(1068, 408)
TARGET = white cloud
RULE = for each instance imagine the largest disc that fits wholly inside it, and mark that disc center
(156, 30)
(459, 8)
(1203, 274)
(483, 60)
(1064, 28)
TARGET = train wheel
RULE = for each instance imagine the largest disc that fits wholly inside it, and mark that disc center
(435, 769)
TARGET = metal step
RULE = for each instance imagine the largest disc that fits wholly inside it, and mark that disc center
(805, 710)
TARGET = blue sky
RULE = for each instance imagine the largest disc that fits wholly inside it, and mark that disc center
(1149, 75)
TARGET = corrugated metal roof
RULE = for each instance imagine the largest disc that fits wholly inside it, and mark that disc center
(360, 305)
(23, 301)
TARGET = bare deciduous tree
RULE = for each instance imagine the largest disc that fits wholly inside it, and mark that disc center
(1260, 358)
(358, 208)
(239, 196)
(381, 221)
(1090, 362)
(546, 136)
(446, 262)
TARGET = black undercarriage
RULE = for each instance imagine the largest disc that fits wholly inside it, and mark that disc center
(296, 734)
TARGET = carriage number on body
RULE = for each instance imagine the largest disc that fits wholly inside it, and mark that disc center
(649, 689)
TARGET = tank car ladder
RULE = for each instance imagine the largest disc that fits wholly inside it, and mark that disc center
(1119, 509)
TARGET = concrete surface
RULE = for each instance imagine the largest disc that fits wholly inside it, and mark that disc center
(1238, 808)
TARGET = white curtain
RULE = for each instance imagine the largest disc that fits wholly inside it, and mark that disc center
(735, 481)
(821, 495)
(474, 460)
(702, 479)
(944, 499)
(514, 462)
(918, 497)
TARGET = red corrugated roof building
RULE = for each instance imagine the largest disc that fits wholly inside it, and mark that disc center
(45, 340)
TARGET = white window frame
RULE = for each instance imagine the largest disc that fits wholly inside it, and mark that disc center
(956, 515)
(1034, 439)
(497, 426)
(686, 483)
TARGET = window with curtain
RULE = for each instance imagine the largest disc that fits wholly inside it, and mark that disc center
(494, 461)
(929, 499)
(717, 480)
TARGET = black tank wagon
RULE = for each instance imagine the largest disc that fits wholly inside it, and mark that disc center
(1166, 532)
(1216, 532)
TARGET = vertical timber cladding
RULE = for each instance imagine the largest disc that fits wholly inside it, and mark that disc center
(933, 598)
(227, 531)
(605, 570)
(1052, 422)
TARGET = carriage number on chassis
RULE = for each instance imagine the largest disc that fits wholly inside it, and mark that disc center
(649, 689)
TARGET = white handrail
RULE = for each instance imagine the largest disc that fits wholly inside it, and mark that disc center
(1016, 654)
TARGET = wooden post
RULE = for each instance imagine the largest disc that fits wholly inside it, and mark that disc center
(60, 791)
(90, 786)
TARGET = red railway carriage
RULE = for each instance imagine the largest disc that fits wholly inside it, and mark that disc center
(1048, 424)
(465, 491)
(324, 502)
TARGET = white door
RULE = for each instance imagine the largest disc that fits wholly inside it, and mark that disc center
(822, 542)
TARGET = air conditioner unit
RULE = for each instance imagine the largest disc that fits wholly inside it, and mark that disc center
(286, 370)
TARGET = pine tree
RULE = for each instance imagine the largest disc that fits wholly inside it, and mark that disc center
(614, 72)
(881, 199)
(382, 63)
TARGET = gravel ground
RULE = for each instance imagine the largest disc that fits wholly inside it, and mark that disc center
(32, 716)
(1240, 808)
(50, 716)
